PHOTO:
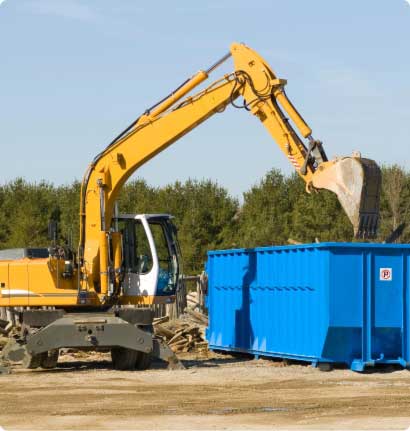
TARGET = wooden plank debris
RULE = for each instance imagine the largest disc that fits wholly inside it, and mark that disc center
(160, 320)
(199, 317)
(186, 334)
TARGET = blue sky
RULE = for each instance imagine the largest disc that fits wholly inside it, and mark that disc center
(74, 73)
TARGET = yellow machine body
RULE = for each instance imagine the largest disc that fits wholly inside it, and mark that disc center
(35, 283)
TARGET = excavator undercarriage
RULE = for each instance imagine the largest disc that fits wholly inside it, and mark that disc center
(126, 332)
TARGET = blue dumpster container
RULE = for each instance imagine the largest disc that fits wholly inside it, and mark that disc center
(323, 303)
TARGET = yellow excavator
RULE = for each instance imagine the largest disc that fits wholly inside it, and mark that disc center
(99, 296)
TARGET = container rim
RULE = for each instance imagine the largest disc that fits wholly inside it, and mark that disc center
(321, 245)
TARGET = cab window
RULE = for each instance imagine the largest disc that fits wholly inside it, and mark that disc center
(137, 252)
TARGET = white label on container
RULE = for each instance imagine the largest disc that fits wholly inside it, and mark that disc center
(386, 274)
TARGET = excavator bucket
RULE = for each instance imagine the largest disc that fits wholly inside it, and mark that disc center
(357, 184)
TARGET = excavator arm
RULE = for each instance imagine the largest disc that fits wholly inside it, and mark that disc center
(355, 181)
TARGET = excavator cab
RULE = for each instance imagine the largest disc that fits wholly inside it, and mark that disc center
(151, 256)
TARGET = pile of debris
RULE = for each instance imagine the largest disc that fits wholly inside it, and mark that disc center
(5, 328)
(186, 334)
(193, 301)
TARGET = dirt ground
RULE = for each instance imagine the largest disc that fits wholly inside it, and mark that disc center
(217, 392)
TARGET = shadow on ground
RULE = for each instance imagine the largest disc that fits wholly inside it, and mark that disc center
(88, 364)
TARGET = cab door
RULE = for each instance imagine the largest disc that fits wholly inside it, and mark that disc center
(167, 249)
(140, 259)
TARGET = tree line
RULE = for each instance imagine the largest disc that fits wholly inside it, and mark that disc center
(274, 211)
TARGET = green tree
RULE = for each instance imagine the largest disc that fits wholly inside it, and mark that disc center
(265, 216)
(27, 209)
(68, 201)
(138, 197)
(320, 216)
(395, 201)
(204, 215)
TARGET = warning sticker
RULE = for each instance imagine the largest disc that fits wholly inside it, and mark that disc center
(386, 274)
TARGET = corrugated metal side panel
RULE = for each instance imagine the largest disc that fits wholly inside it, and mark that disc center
(270, 300)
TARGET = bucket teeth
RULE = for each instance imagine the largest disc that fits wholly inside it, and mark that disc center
(370, 200)
(368, 225)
